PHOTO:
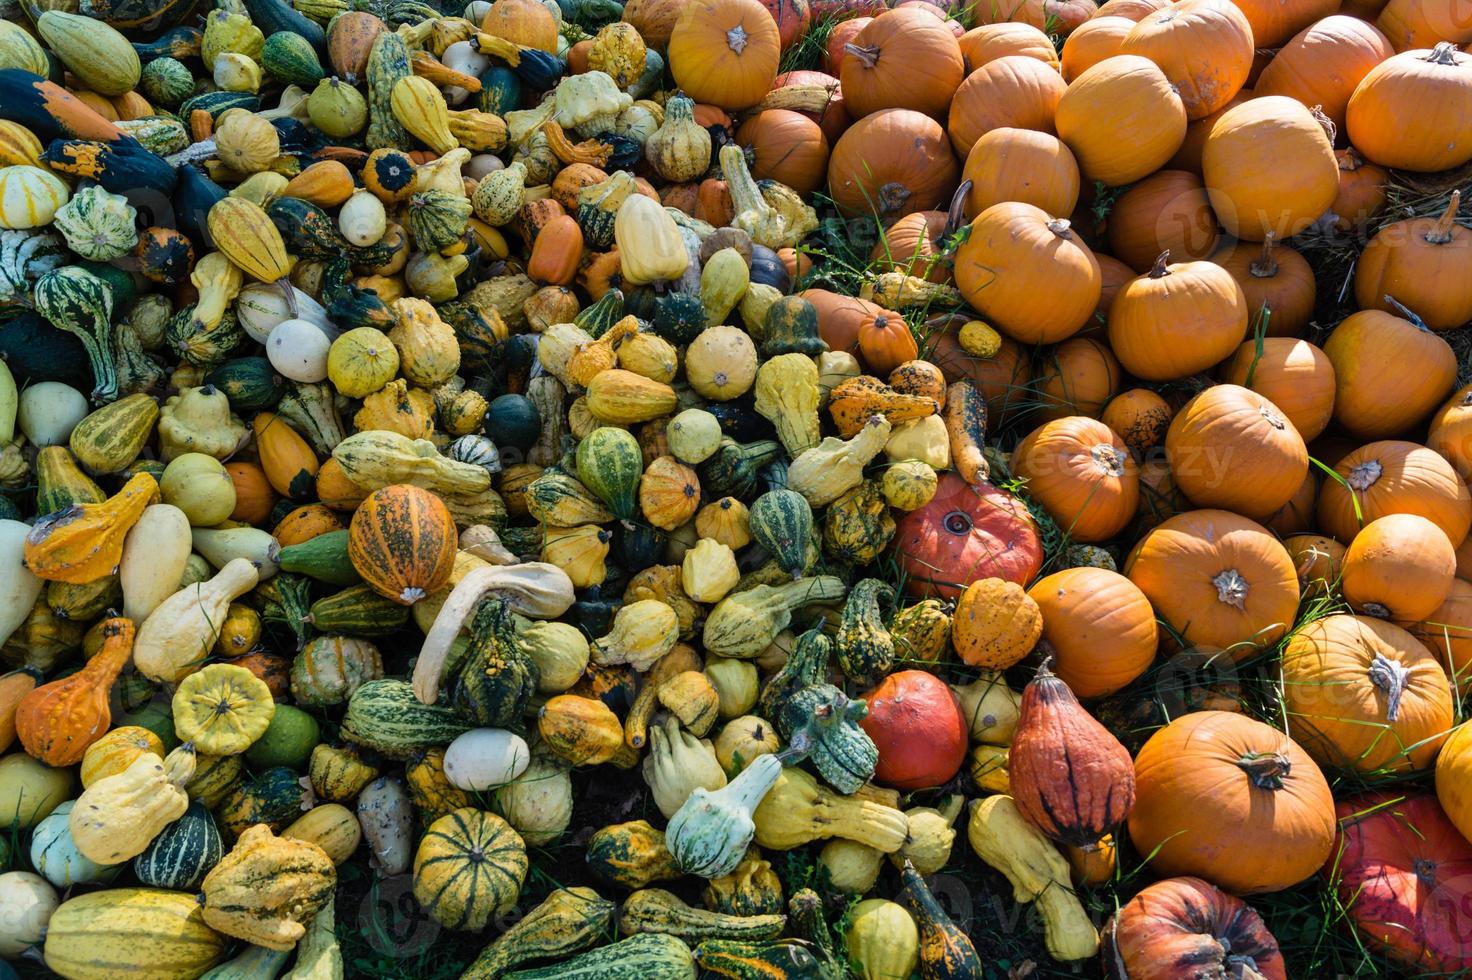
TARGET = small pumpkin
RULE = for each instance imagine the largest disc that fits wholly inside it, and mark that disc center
(402, 541)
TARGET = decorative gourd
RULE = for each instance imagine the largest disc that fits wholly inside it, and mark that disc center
(222, 709)
(654, 910)
(56, 858)
(642, 632)
(98, 225)
(183, 852)
(199, 420)
(710, 832)
(85, 542)
(245, 234)
(266, 887)
(378, 459)
(796, 811)
(1188, 917)
(402, 541)
(387, 817)
(117, 817)
(631, 854)
(30, 196)
(745, 623)
(825, 724)
(677, 765)
(384, 715)
(93, 936)
(469, 866)
(825, 472)
(58, 721)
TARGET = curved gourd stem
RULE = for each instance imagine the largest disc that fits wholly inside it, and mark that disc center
(868, 55)
(1267, 770)
(1159, 270)
(956, 213)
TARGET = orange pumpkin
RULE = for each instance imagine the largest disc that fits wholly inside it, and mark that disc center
(904, 59)
(1269, 167)
(1423, 23)
(1097, 39)
(1021, 165)
(885, 342)
(725, 52)
(1424, 264)
(1361, 191)
(1140, 417)
(304, 523)
(1056, 16)
(913, 246)
(1390, 373)
(1075, 378)
(525, 22)
(1222, 582)
(254, 497)
(833, 118)
(840, 317)
(992, 41)
(1278, 283)
(1364, 694)
(787, 147)
(1232, 800)
(1394, 477)
(1317, 560)
(1131, 10)
(1292, 374)
(1450, 433)
(1297, 515)
(1188, 157)
(402, 541)
(1274, 22)
(335, 489)
(1414, 110)
(1399, 567)
(1231, 448)
(556, 252)
(1083, 475)
(1167, 211)
(1126, 93)
(1015, 91)
(835, 51)
(57, 721)
(1001, 378)
(1448, 631)
(916, 723)
(1177, 320)
(290, 465)
(890, 164)
(1028, 274)
(654, 20)
(1099, 628)
(1324, 63)
(1203, 46)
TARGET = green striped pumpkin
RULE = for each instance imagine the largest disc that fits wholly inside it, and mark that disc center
(469, 866)
(250, 383)
(385, 716)
(98, 225)
(183, 853)
(781, 521)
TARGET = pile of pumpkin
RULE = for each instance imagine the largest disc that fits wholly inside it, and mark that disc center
(405, 407)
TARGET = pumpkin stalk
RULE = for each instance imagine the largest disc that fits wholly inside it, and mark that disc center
(1159, 270)
(955, 214)
(1441, 232)
(1267, 770)
(1061, 226)
(736, 39)
(1390, 677)
(1231, 588)
(1445, 53)
(1265, 266)
(868, 55)
(1400, 307)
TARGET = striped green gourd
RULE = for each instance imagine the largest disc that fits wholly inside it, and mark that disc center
(183, 853)
(384, 715)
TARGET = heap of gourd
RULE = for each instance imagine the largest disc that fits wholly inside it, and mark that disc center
(403, 409)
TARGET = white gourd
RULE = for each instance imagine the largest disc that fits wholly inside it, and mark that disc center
(261, 307)
(298, 349)
(362, 219)
(28, 901)
(154, 555)
(19, 588)
(484, 758)
(387, 817)
(176, 637)
(48, 412)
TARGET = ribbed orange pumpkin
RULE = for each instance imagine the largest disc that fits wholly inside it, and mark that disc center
(1414, 110)
(57, 721)
(1099, 628)
(1140, 417)
(912, 245)
(1075, 378)
(833, 118)
(1317, 560)
(1274, 21)
(1188, 157)
(1015, 91)
(892, 163)
(1166, 212)
(1231, 448)
(1363, 694)
(1451, 432)
(1393, 477)
(1021, 165)
(992, 41)
(402, 541)
(524, 22)
(1177, 320)
(1278, 283)
(1031, 276)
(1097, 39)
(1323, 63)
(1269, 166)
(1424, 264)
(1448, 631)
(1203, 46)
(904, 59)
(1292, 374)
(787, 147)
(885, 342)
(725, 52)
(1390, 373)
(1082, 474)
(1220, 580)
(1413, 24)
(254, 497)
(1119, 94)
(1361, 191)
(1399, 567)
(839, 317)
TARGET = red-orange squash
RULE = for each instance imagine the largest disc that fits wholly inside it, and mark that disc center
(725, 52)
(1177, 319)
(402, 540)
(1221, 582)
(1204, 47)
(917, 725)
(1189, 924)
(892, 163)
(966, 533)
(1022, 165)
(1083, 475)
(556, 252)
(56, 722)
(1016, 91)
(1399, 567)
(1097, 626)
(885, 342)
(904, 59)
(1294, 375)
(1231, 448)
(1323, 63)
(1069, 776)
(1168, 211)
(1232, 800)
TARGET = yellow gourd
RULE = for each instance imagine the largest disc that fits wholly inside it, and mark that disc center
(199, 420)
(178, 635)
(429, 354)
(825, 472)
(883, 940)
(642, 632)
(117, 817)
(420, 108)
(650, 248)
(923, 439)
(222, 709)
(787, 394)
(267, 888)
(84, 542)
(797, 811)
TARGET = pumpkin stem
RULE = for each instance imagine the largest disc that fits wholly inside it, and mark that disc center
(1363, 476)
(956, 213)
(1109, 460)
(1245, 966)
(1350, 160)
(1441, 232)
(1377, 610)
(1445, 53)
(892, 197)
(1266, 769)
(1272, 418)
(1060, 227)
(1231, 588)
(1159, 270)
(736, 39)
(1325, 123)
(1416, 321)
(1265, 266)
(868, 55)
(1391, 677)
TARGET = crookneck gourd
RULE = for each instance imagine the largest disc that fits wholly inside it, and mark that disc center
(498, 680)
(843, 753)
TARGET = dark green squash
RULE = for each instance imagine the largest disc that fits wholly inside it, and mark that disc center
(647, 956)
(306, 229)
(180, 43)
(123, 166)
(291, 58)
(498, 680)
(36, 351)
(193, 198)
(734, 469)
(217, 102)
(251, 383)
(385, 716)
(768, 269)
(858, 526)
(827, 721)
(274, 797)
(783, 959)
(637, 546)
(80, 303)
(741, 421)
(781, 521)
(278, 15)
(124, 290)
(9, 511)
(679, 317)
(590, 14)
(140, 15)
(500, 90)
(50, 111)
(539, 70)
(864, 646)
(596, 318)
(609, 463)
(323, 558)
(791, 327)
(806, 665)
(357, 611)
(183, 852)
(515, 421)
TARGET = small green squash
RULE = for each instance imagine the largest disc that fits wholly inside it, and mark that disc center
(274, 797)
(781, 521)
(384, 715)
(610, 463)
(183, 853)
(250, 383)
(110, 438)
(647, 956)
(568, 921)
(291, 58)
(323, 558)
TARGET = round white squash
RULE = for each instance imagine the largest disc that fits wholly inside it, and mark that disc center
(19, 588)
(262, 306)
(362, 219)
(49, 411)
(28, 901)
(484, 758)
(298, 349)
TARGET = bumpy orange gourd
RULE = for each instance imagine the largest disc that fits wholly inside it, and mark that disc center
(84, 542)
(995, 624)
(58, 721)
(402, 541)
